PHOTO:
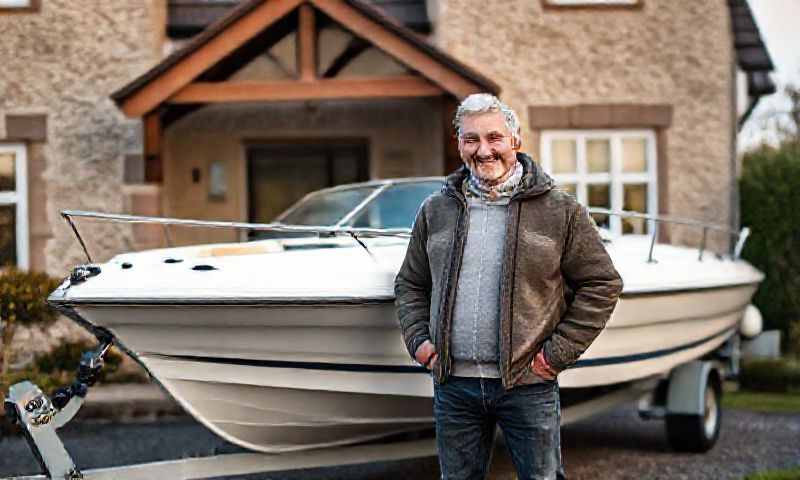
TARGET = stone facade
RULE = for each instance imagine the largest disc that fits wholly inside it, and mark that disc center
(676, 53)
(60, 63)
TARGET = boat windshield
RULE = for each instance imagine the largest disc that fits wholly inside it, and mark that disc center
(326, 209)
(395, 207)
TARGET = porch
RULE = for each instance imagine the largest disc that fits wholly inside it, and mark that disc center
(283, 97)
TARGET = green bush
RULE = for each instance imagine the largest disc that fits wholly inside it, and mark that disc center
(770, 206)
(779, 375)
(23, 298)
(790, 474)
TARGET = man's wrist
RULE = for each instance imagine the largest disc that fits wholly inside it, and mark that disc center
(420, 350)
(547, 365)
(428, 361)
(417, 343)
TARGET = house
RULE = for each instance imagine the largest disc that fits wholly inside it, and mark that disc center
(231, 110)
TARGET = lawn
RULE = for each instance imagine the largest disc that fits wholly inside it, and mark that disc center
(792, 474)
(763, 402)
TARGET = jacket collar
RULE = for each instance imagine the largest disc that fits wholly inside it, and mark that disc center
(534, 180)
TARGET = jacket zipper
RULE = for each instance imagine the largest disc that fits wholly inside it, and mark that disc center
(452, 281)
(506, 290)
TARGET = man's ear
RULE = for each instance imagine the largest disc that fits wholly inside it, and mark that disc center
(516, 143)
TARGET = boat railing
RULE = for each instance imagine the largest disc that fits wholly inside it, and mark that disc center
(356, 233)
(738, 237)
(322, 231)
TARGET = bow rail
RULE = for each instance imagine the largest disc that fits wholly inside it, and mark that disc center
(322, 231)
(739, 237)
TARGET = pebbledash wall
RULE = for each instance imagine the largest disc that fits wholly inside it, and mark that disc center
(58, 64)
(665, 65)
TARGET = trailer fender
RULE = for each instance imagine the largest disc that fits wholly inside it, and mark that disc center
(687, 384)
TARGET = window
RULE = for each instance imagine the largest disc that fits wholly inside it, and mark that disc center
(582, 3)
(608, 169)
(19, 5)
(13, 207)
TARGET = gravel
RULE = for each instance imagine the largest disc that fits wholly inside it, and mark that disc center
(615, 445)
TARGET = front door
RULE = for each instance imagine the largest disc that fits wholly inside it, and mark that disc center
(281, 174)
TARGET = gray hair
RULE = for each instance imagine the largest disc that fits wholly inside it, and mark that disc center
(484, 103)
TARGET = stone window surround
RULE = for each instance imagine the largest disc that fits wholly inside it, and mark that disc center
(611, 116)
(33, 6)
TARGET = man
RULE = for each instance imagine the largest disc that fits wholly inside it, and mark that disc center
(505, 284)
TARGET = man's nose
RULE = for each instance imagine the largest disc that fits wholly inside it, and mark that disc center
(483, 149)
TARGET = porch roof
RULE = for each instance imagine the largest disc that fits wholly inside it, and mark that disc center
(190, 74)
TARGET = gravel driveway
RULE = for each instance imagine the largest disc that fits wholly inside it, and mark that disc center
(616, 445)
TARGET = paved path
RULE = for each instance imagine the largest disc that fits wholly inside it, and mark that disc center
(613, 446)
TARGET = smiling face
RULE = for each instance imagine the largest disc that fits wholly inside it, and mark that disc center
(487, 147)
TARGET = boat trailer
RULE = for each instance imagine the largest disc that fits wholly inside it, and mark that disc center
(40, 416)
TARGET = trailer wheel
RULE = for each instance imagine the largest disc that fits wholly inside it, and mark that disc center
(698, 433)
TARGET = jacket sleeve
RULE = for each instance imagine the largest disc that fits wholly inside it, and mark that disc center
(589, 272)
(412, 288)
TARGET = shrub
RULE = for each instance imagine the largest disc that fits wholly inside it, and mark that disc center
(770, 206)
(778, 375)
(23, 298)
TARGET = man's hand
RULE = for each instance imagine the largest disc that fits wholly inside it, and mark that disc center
(426, 354)
(541, 368)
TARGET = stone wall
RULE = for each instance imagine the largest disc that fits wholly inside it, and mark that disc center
(667, 52)
(61, 63)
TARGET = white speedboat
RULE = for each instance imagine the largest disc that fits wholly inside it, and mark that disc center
(282, 344)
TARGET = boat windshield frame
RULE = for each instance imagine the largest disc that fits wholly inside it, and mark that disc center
(379, 186)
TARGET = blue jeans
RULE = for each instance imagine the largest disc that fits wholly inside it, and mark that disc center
(467, 410)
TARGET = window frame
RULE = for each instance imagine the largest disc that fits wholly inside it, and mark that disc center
(19, 198)
(616, 178)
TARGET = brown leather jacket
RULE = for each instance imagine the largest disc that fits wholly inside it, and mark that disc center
(558, 284)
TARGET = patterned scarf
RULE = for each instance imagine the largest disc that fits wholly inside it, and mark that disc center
(475, 187)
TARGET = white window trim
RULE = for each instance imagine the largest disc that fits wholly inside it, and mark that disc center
(617, 178)
(20, 199)
(13, 4)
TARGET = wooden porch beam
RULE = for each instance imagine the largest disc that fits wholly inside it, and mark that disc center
(354, 48)
(153, 165)
(306, 44)
(180, 75)
(397, 47)
(352, 88)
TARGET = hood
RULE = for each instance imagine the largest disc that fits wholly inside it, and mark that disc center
(534, 180)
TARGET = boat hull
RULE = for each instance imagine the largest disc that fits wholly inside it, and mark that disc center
(281, 377)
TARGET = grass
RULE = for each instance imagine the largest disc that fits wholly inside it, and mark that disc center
(791, 474)
(763, 402)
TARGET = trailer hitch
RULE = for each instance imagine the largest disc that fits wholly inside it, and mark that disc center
(40, 416)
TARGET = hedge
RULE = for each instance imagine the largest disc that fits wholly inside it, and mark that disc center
(770, 206)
